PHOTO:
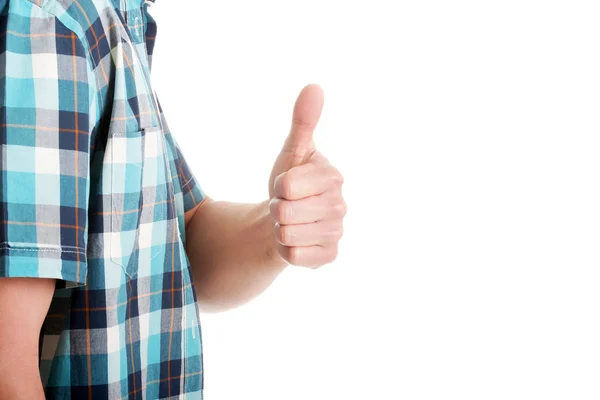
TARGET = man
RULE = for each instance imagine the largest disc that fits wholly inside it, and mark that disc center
(108, 241)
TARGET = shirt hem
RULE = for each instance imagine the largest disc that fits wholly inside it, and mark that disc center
(69, 266)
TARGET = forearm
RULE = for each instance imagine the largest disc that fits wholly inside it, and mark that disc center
(232, 251)
(20, 376)
(24, 303)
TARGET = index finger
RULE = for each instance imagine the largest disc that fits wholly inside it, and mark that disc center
(307, 180)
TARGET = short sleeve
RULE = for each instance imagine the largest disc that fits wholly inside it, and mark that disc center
(44, 140)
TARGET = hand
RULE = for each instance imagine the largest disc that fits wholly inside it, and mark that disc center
(307, 205)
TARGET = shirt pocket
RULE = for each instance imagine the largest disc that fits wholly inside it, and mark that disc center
(133, 161)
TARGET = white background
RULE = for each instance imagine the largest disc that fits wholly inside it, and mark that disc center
(469, 136)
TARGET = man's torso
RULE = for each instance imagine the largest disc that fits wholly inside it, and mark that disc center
(126, 325)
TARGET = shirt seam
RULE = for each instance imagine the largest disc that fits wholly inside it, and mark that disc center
(188, 181)
(60, 249)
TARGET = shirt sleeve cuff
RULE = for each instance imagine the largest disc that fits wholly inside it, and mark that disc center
(68, 266)
(192, 195)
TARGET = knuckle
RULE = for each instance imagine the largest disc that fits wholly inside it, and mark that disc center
(294, 255)
(302, 122)
(338, 233)
(332, 255)
(297, 153)
(327, 257)
(282, 211)
(274, 209)
(284, 234)
(336, 176)
(282, 252)
(334, 234)
(340, 209)
(287, 212)
(286, 186)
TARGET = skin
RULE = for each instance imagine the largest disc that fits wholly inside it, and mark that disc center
(24, 303)
(236, 250)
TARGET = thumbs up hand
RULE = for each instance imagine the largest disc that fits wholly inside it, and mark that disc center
(305, 190)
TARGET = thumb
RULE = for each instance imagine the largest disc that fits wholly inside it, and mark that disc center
(307, 112)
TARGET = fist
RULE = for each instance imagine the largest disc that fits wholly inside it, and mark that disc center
(306, 204)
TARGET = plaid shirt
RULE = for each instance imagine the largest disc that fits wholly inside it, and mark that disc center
(94, 189)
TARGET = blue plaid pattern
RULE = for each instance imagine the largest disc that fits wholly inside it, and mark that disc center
(93, 193)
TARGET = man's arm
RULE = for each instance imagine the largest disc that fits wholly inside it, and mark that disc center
(232, 251)
(237, 250)
(45, 131)
(24, 303)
